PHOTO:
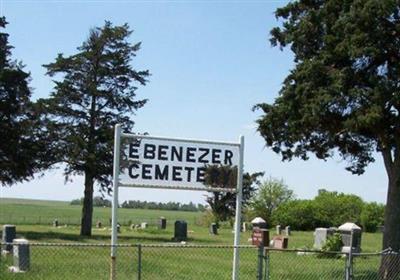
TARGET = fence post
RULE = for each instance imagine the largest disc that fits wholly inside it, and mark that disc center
(267, 268)
(260, 262)
(349, 262)
(139, 262)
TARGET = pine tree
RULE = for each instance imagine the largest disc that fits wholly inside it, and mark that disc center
(95, 91)
(23, 147)
(343, 94)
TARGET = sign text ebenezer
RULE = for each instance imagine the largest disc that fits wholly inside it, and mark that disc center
(173, 163)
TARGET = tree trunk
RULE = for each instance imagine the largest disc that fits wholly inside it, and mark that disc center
(389, 268)
(87, 209)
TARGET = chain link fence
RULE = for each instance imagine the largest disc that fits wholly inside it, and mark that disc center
(153, 262)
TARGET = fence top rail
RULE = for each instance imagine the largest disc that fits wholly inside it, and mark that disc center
(130, 245)
(211, 246)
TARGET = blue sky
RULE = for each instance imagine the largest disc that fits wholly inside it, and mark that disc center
(210, 62)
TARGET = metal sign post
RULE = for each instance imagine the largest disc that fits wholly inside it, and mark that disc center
(238, 216)
(172, 163)
(114, 214)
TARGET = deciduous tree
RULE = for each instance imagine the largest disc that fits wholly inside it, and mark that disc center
(269, 195)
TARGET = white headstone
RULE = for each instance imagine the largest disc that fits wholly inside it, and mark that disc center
(278, 230)
(321, 235)
(143, 225)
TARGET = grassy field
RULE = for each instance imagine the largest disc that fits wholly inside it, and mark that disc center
(39, 212)
(80, 262)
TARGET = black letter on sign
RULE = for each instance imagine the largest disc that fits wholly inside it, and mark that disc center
(228, 157)
(161, 175)
(175, 153)
(133, 149)
(190, 154)
(162, 152)
(216, 155)
(149, 151)
(176, 173)
(189, 173)
(203, 155)
(146, 169)
(131, 168)
(200, 174)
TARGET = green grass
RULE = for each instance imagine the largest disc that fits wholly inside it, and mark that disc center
(32, 212)
(54, 262)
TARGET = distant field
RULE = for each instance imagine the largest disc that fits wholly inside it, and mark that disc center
(41, 212)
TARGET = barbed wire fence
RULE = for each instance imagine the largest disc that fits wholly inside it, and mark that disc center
(172, 261)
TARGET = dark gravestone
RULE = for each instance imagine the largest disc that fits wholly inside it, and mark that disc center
(260, 237)
(162, 223)
(9, 232)
(21, 254)
(55, 223)
(213, 228)
(98, 224)
(180, 233)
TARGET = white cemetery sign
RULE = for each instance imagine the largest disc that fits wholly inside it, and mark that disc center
(145, 161)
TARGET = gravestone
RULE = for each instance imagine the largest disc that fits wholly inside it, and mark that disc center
(180, 232)
(287, 231)
(118, 228)
(280, 242)
(143, 225)
(9, 233)
(259, 222)
(351, 237)
(260, 237)
(55, 223)
(162, 224)
(213, 229)
(321, 235)
(21, 255)
(98, 224)
(278, 230)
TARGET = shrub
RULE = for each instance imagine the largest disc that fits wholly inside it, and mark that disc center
(372, 216)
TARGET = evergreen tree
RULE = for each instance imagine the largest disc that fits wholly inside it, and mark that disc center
(343, 93)
(23, 147)
(96, 89)
(223, 204)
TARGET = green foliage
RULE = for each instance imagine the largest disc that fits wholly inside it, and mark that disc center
(268, 197)
(78, 201)
(334, 243)
(223, 204)
(334, 209)
(23, 147)
(372, 216)
(327, 209)
(342, 95)
(299, 214)
(94, 90)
